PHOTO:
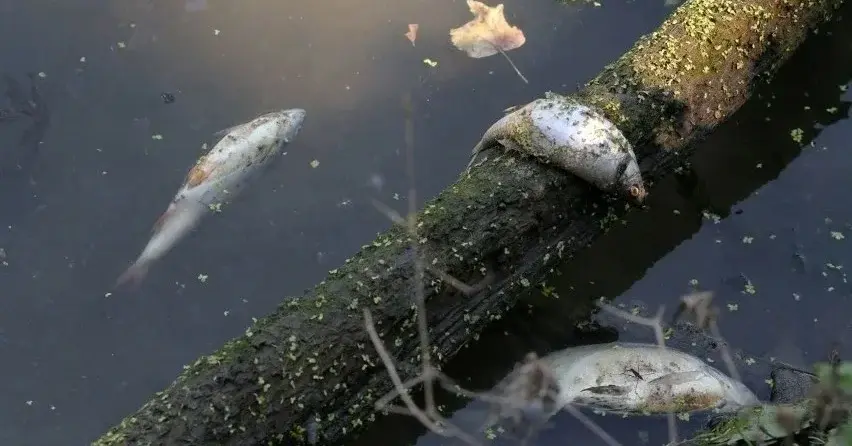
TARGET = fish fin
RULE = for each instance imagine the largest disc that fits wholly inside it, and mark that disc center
(607, 390)
(223, 132)
(473, 155)
(510, 144)
(673, 379)
(133, 275)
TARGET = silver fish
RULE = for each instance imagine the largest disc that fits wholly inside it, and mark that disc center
(573, 137)
(633, 378)
(220, 174)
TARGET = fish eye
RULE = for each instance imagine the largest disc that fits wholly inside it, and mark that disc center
(634, 191)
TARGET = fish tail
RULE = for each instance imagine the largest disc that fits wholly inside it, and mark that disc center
(473, 155)
(133, 275)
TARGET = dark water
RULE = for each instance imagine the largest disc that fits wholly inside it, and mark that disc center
(76, 360)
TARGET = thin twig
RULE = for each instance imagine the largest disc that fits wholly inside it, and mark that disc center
(509, 59)
(397, 382)
(592, 426)
(440, 274)
(656, 323)
(428, 416)
(726, 354)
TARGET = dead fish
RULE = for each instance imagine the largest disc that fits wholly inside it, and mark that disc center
(573, 137)
(220, 174)
(634, 378)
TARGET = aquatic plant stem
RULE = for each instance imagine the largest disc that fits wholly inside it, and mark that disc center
(656, 324)
(509, 59)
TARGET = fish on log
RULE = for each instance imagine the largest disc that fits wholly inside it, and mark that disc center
(307, 373)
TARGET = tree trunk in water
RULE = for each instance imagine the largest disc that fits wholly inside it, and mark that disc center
(311, 363)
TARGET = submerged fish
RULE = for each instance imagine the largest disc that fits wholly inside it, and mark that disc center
(223, 172)
(633, 378)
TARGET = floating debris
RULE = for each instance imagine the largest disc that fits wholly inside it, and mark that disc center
(412, 32)
(488, 33)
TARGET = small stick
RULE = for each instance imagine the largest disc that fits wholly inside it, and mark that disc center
(497, 47)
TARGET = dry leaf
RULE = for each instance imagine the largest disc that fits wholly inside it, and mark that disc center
(412, 32)
(488, 33)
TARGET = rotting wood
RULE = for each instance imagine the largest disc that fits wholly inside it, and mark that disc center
(309, 365)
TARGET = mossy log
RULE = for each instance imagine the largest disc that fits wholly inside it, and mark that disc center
(310, 364)
(768, 425)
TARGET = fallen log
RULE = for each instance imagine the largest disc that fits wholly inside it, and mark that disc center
(311, 364)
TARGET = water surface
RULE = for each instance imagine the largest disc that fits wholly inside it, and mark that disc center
(77, 359)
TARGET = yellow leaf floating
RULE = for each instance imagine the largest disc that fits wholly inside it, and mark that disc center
(430, 62)
(487, 34)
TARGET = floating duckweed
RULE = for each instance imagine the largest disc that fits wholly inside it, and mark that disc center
(797, 134)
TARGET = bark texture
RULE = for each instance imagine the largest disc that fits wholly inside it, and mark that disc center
(310, 368)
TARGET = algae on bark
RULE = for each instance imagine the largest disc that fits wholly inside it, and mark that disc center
(822, 417)
(310, 366)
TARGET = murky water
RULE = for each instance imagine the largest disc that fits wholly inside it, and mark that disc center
(76, 360)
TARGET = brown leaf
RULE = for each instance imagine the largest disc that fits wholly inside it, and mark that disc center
(488, 32)
(412, 32)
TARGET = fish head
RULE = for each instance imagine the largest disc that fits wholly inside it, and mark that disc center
(737, 394)
(288, 123)
(281, 126)
(630, 183)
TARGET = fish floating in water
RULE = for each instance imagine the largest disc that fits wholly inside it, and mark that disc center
(223, 172)
(634, 378)
(573, 137)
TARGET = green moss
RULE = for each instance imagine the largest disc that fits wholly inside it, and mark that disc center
(722, 432)
(698, 67)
